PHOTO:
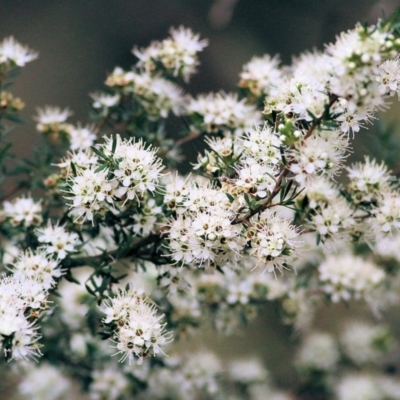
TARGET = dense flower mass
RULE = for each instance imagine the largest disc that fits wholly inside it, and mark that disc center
(138, 329)
(124, 171)
(272, 212)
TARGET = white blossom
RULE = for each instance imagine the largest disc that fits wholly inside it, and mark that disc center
(12, 52)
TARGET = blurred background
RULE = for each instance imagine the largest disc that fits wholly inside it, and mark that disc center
(79, 42)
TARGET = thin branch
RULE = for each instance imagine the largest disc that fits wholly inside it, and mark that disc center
(285, 171)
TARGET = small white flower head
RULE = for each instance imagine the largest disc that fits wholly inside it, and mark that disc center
(81, 138)
(56, 241)
(220, 112)
(44, 382)
(138, 330)
(260, 74)
(321, 154)
(248, 371)
(104, 101)
(146, 218)
(386, 221)
(388, 77)
(358, 387)
(89, 192)
(368, 180)
(176, 190)
(177, 54)
(14, 54)
(346, 277)
(19, 297)
(355, 58)
(120, 78)
(335, 221)
(51, 121)
(82, 160)
(320, 193)
(38, 267)
(108, 383)
(23, 211)
(203, 235)
(364, 343)
(255, 179)
(202, 370)
(225, 151)
(137, 167)
(262, 145)
(272, 239)
(298, 98)
(318, 352)
(157, 96)
(351, 121)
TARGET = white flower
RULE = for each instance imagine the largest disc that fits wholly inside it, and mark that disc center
(56, 240)
(320, 192)
(104, 100)
(223, 112)
(17, 296)
(368, 180)
(139, 329)
(319, 351)
(248, 371)
(262, 145)
(89, 192)
(273, 240)
(137, 168)
(345, 276)
(13, 52)
(358, 387)
(146, 219)
(260, 74)
(23, 211)
(52, 115)
(38, 267)
(108, 383)
(255, 179)
(389, 77)
(81, 138)
(335, 220)
(365, 343)
(203, 234)
(44, 382)
(386, 221)
(323, 153)
(157, 95)
(177, 54)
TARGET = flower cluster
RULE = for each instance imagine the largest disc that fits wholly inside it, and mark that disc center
(123, 171)
(22, 211)
(177, 54)
(220, 112)
(13, 54)
(20, 298)
(156, 95)
(138, 330)
(57, 241)
(260, 74)
(346, 276)
(204, 235)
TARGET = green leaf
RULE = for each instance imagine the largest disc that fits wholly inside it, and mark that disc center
(230, 197)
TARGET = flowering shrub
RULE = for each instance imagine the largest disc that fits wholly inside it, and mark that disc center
(102, 237)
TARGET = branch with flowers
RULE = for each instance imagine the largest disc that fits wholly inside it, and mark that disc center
(103, 238)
